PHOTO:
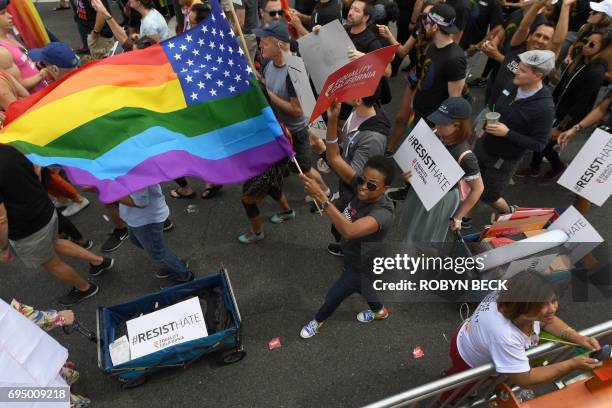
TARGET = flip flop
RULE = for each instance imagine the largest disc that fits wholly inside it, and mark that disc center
(210, 191)
(179, 196)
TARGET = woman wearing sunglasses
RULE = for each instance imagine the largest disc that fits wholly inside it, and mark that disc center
(367, 218)
(599, 18)
(415, 223)
(574, 97)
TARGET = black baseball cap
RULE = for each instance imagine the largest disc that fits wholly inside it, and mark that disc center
(276, 29)
(4, 4)
(454, 108)
(444, 16)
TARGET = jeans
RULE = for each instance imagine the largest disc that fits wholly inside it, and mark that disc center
(348, 283)
(150, 237)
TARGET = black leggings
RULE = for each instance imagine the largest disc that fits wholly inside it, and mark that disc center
(67, 228)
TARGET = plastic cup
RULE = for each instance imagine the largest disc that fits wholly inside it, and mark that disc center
(492, 117)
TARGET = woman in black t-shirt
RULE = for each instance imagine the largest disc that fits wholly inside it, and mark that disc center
(415, 223)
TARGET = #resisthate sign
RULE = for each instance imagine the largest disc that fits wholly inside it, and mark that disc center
(167, 327)
(583, 237)
(434, 170)
(589, 174)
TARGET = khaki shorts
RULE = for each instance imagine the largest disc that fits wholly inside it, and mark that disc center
(38, 248)
(99, 47)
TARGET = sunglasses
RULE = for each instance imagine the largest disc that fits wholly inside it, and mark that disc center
(369, 185)
(274, 13)
(591, 44)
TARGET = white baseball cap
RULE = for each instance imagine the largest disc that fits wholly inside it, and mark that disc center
(604, 7)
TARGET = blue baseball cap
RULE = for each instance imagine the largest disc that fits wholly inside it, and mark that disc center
(55, 53)
(276, 29)
(453, 108)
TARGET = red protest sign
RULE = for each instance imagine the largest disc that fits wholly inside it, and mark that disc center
(357, 79)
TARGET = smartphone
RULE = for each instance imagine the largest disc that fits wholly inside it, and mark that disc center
(603, 354)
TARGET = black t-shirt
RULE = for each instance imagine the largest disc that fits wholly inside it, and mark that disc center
(381, 210)
(469, 162)
(485, 14)
(87, 17)
(324, 13)
(506, 72)
(462, 12)
(365, 41)
(442, 65)
(27, 204)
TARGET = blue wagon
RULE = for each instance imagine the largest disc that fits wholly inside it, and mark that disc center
(226, 342)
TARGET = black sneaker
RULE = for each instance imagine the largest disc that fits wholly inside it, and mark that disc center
(96, 270)
(87, 244)
(477, 82)
(399, 195)
(189, 278)
(178, 281)
(115, 239)
(168, 224)
(75, 296)
(335, 249)
(466, 223)
(162, 274)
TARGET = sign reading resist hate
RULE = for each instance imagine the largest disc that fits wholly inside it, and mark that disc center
(167, 327)
(434, 170)
(590, 173)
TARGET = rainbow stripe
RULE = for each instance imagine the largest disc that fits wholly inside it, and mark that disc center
(28, 23)
(140, 118)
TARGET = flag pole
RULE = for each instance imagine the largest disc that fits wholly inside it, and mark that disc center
(241, 36)
(319, 210)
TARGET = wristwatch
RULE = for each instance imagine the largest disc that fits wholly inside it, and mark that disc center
(325, 204)
(577, 127)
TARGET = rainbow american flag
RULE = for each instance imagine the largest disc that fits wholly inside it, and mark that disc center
(188, 106)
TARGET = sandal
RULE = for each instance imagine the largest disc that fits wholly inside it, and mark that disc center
(210, 191)
(176, 193)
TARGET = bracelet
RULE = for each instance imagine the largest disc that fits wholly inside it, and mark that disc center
(325, 204)
(109, 18)
(577, 127)
(331, 141)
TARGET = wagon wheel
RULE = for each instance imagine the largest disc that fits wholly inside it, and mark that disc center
(232, 356)
(136, 382)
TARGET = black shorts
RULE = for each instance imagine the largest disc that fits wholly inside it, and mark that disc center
(301, 147)
(496, 172)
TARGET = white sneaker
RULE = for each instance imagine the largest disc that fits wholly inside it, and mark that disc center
(323, 167)
(75, 207)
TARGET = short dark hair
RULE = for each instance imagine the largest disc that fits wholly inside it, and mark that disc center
(372, 99)
(148, 4)
(546, 23)
(201, 11)
(144, 42)
(527, 293)
(383, 165)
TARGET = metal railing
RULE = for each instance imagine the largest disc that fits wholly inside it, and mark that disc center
(484, 378)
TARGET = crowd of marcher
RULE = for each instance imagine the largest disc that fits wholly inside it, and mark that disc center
(547, 66)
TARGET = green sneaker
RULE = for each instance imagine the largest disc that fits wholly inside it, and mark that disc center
(282, 217)
(251, 237)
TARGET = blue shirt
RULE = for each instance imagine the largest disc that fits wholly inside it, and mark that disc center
(155, 209)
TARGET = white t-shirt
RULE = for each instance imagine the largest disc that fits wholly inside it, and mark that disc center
(155, 24)
(488, 337)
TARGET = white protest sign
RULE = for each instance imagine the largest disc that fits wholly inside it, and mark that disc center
(434, 170)
(167, 327)
(589, 174)
(583, 238)
(325, 51)
(301, 84)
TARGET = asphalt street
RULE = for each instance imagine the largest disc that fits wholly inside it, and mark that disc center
(280, 283)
